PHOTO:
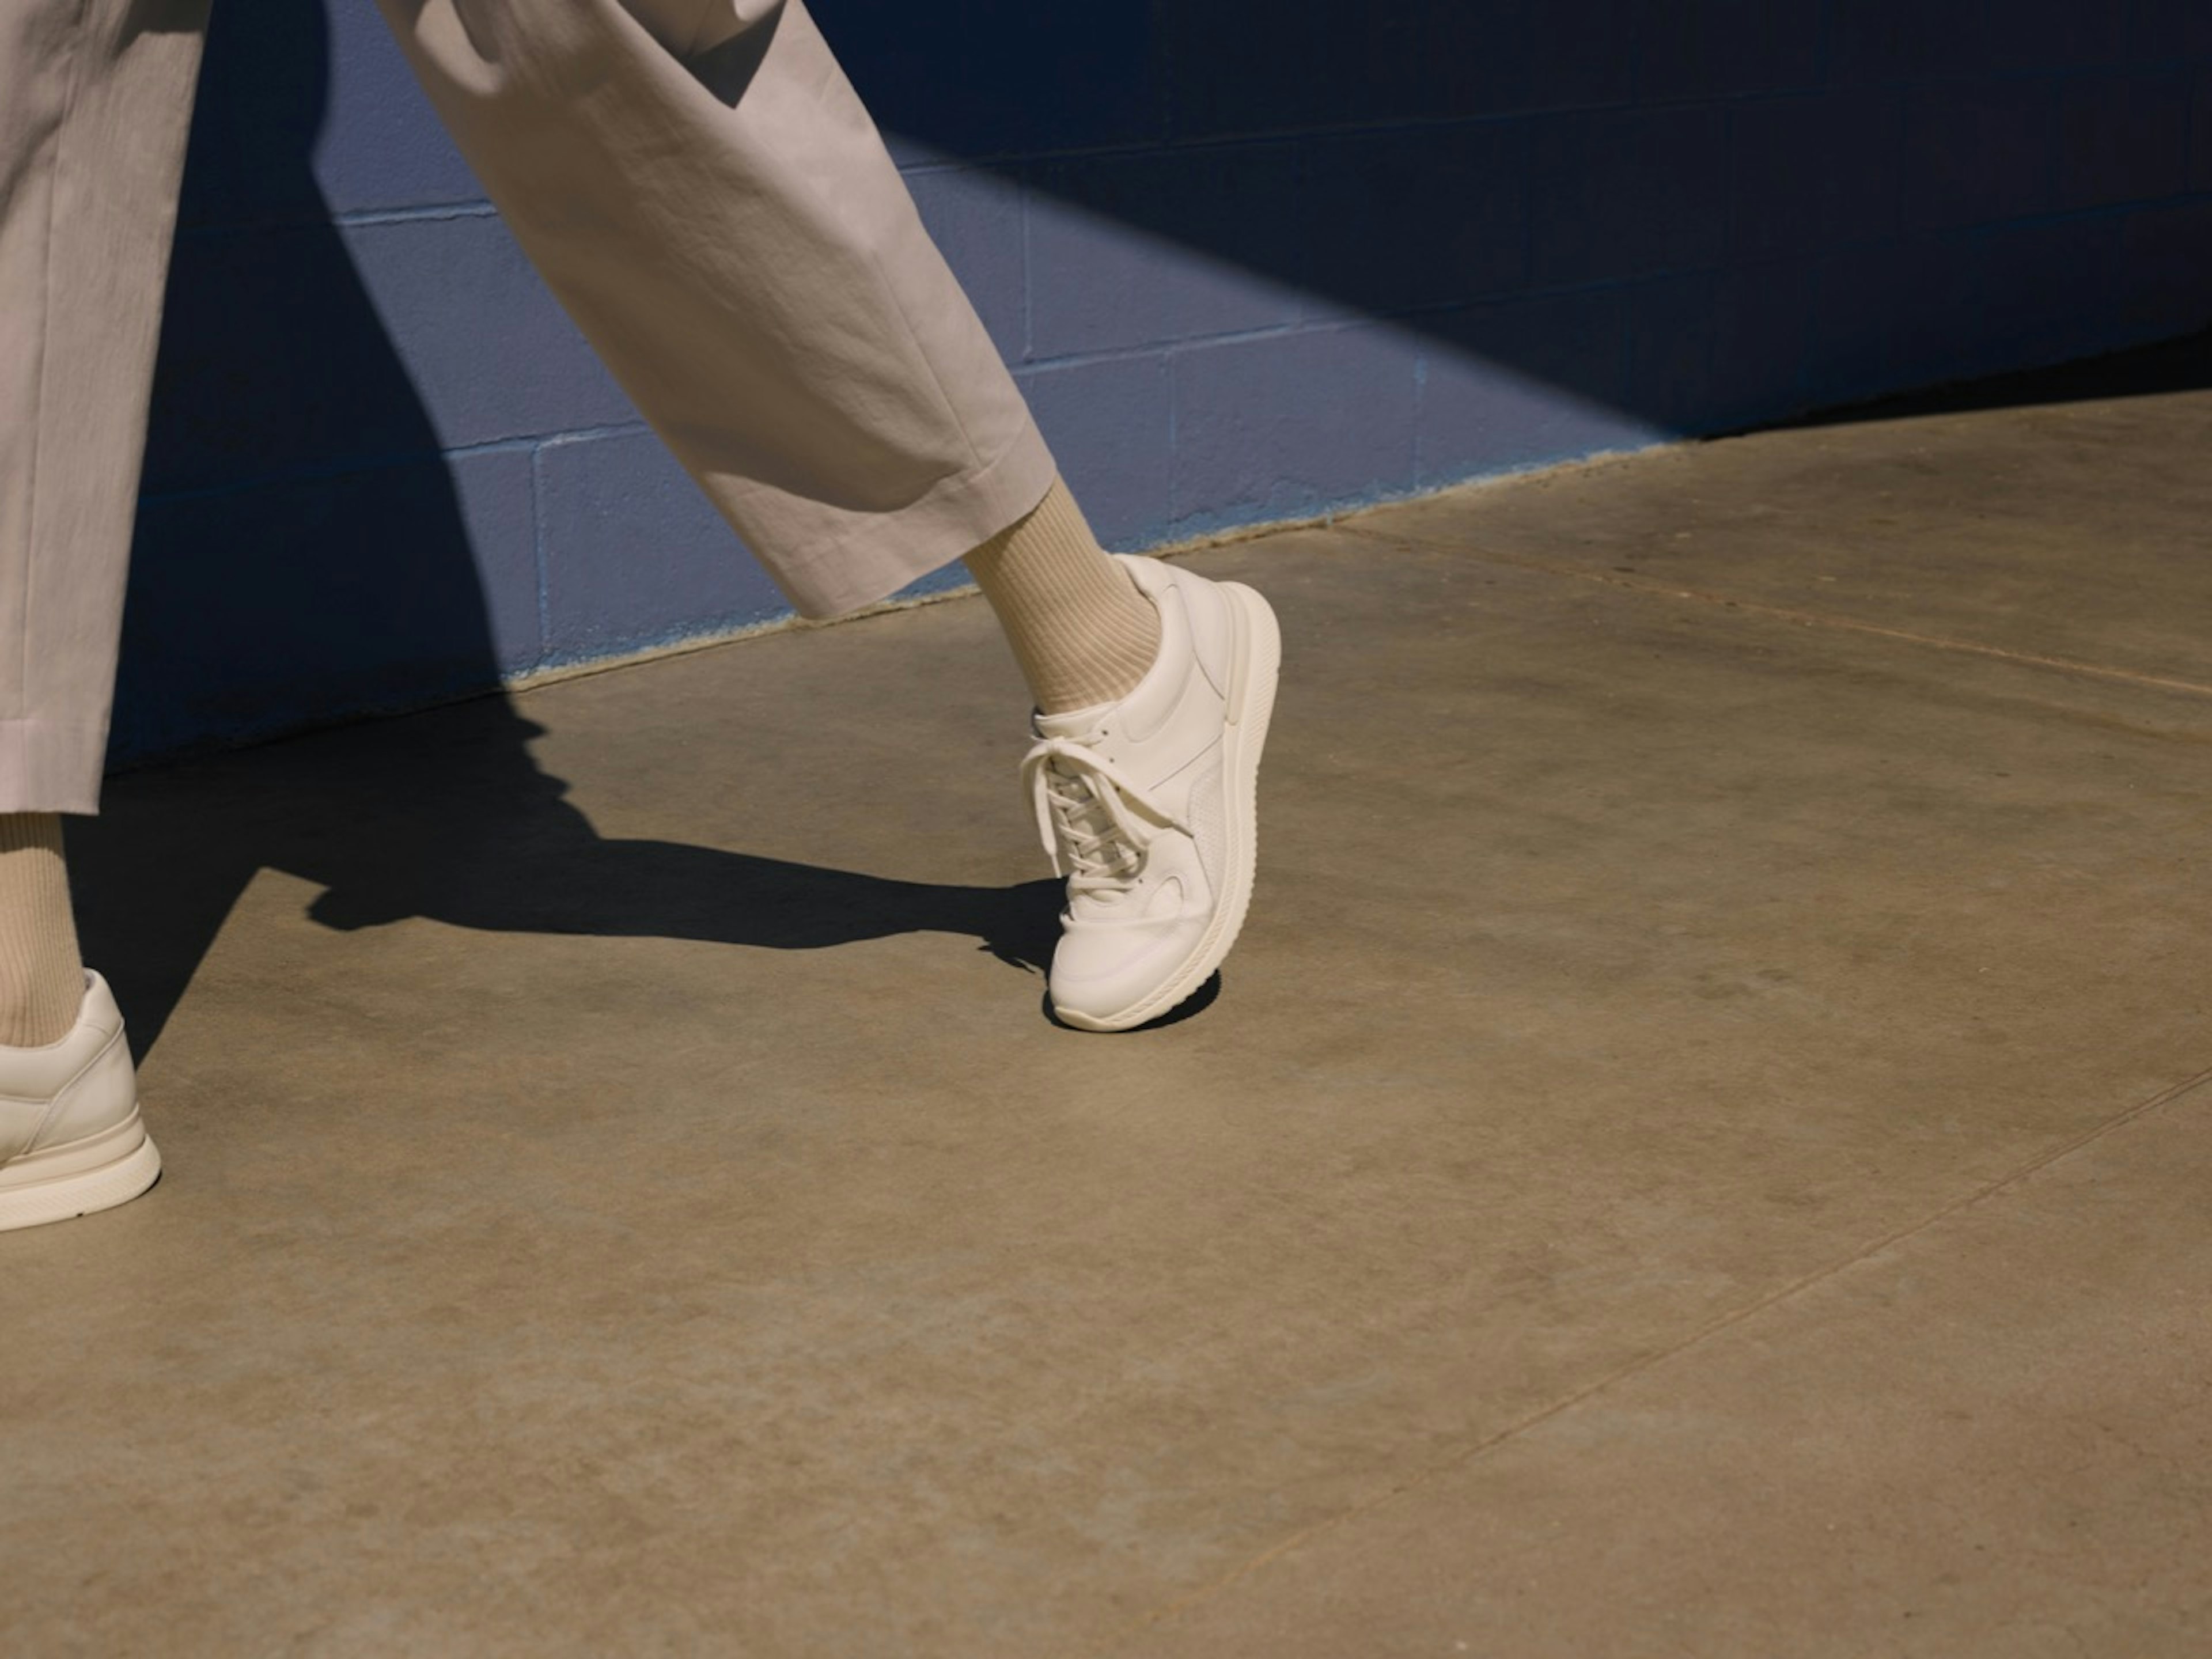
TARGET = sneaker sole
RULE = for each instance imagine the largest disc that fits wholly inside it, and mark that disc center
(97, 1173)
(1255, 664)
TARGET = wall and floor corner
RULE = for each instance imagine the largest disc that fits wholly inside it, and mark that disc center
(1248, 264)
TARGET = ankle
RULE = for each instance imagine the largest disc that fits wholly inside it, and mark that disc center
(1082, 632)
(41, 975)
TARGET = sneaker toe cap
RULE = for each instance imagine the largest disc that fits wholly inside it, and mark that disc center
(1102, 977)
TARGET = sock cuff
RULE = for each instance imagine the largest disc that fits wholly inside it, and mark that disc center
(1082, 632)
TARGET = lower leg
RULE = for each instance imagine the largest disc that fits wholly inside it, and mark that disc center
(97, 95)
(41, 975)
(1081, 630)
(71, 1140)
(712, 205)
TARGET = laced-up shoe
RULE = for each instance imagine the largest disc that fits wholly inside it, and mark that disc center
(71, 1140)
(1148, 805)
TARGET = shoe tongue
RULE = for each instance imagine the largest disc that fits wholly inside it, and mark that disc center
(1072, 723)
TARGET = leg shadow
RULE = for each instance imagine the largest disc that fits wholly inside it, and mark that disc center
(444, 816)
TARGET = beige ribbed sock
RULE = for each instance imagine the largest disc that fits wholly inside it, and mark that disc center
(1081, 630)
(41, 975)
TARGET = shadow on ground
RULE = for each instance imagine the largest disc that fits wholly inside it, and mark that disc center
(446, 817)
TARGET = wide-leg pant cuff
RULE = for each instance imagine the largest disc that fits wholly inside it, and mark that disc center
(50, 766)
(885, 551)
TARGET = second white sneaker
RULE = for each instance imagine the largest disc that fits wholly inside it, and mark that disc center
(71, 1140)
(1149, 805)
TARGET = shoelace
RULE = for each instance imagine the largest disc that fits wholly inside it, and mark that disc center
(1094, 821)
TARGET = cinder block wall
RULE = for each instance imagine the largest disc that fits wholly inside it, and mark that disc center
(1249, 261)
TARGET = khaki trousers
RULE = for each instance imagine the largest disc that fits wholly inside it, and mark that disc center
(696, 182)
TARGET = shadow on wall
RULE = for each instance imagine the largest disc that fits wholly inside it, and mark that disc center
(1585, 224)
(1507, 232)
(1697, 214)
(302, 545)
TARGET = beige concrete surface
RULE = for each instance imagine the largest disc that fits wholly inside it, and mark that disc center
(1698, 1149)
(2054, 522)
(1993, 1436)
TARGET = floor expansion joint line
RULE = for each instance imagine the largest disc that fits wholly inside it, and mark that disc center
(1803, 618)
(1703, 1332)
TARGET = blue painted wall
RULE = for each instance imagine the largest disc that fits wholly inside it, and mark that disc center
(1249, 261)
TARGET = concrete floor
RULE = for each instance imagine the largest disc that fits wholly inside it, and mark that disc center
(1706, 1146)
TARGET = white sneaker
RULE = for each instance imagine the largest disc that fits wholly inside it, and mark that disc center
(71, 1140)
(1148, 805)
